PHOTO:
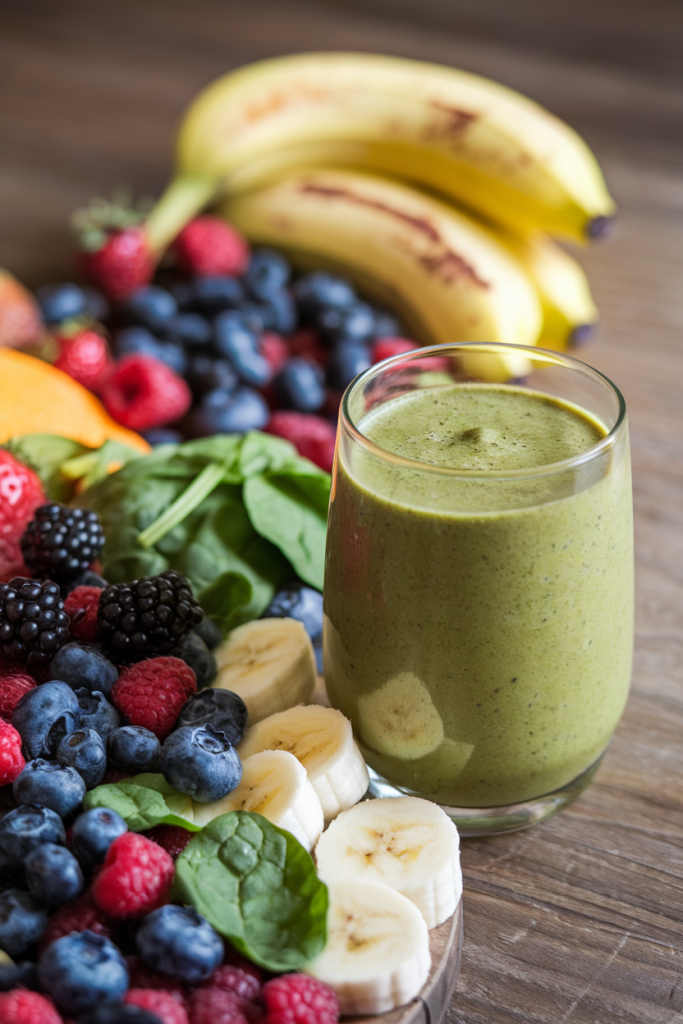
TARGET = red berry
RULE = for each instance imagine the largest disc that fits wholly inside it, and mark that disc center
(81, 606)
(208, 246)
(142, 392)
(153, 692)
(384, 348)
(85, 357)
(215, 1006)
(121, 265)
(13, 686)
(167, 1006)
(11, 760)
(313, 436)
(21, 492)
(142, 976)
(243, 981)
(23, 1007)
(171, 838)
(299, 999)
(20, 320)
(79, 915)
(135, 878)
(274, 350)
(306, 343)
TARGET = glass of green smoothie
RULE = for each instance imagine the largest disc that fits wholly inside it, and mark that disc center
(479, 578)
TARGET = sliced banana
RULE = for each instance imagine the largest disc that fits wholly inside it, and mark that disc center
(275, 785)
(399, 718)
(377, 952)
(271, 665)
(404, 842)
(322, 740)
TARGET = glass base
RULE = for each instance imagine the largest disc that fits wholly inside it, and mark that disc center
(492, 821)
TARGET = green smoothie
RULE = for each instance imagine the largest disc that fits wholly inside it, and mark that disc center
(479, 614)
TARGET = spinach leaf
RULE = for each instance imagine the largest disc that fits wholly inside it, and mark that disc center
(226, 600)
(257, 886)
(144, 801)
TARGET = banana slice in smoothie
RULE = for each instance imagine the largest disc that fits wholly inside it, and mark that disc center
(399, 719)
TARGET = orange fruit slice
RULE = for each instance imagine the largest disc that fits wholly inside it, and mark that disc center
(36, 398)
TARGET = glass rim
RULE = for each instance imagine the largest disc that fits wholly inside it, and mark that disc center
(560, 358)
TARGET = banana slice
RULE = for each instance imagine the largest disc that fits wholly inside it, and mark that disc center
(271, 665)
(399, 719)
(275, 785)
(406, 843)
(377, 952)
(322, 740)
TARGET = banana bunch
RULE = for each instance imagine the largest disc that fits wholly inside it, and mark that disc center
(433, 188)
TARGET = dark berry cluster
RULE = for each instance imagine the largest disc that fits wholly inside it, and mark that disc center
(61, 542)
(33, 623)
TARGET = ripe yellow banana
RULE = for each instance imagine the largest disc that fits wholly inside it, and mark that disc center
(463, 135)
(451, 279)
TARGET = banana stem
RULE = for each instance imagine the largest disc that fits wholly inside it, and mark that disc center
(183, 198)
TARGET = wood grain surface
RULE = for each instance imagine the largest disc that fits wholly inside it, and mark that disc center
(579, 920)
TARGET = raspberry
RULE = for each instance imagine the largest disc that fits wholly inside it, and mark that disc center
(13, 686)
(85, 357)
(243, 981)
(21, 492)
(80, 915)
(215, 1006)
(299, 999)
(142, 392)
(81, 606)
(152, 693)
(135, 879)
(11, 761)
(384, 348)
(207, 246)
(306, 343)
(172, 838)
(313, 436)
(274, 350)
(167, 1006)
(23, 1007)
(144, 977)
(122, 263)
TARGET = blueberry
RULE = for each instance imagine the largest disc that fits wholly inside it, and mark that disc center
(60, 302)
(387, 325)
(224, 710)
(88, 578)
(209, 632)
(189, 328)
(317, 291)
(49, 784)
(21, 975)
(201, 763)
(357, 323)
(118, 1013)
(212, 294)
(53, 875)
(162, 435)
(95, 712)
(268, 272)
(179, 942)
(82, 665)
(93, 833)
(22, 921)
(236, 342)
(280, 310)
(347, 360)
(44, 715)
(204, 373)
(222, 412)
(140, 341)
(256, 316)
(81, 970)
(84, 750)
(151, 306)
(197, 655)
(97, 306)
(134, 748)
(299, 385)
(24, 829)
(297, 601)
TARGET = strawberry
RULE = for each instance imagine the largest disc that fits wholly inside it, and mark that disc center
(21, 492)
(112, 247)
(20, 319)
(85, 357)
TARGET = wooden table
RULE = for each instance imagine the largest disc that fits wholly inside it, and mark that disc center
(580, 919)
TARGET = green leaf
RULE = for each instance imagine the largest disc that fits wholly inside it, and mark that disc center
(45, 454)
(257, 886)
(290, 509)
(144, 801)
(226, 600)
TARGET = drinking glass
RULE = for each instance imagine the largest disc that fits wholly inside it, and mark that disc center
(478, 626)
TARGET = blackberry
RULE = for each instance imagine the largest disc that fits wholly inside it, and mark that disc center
(61, 542)
(33, 623)
(147, 617)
